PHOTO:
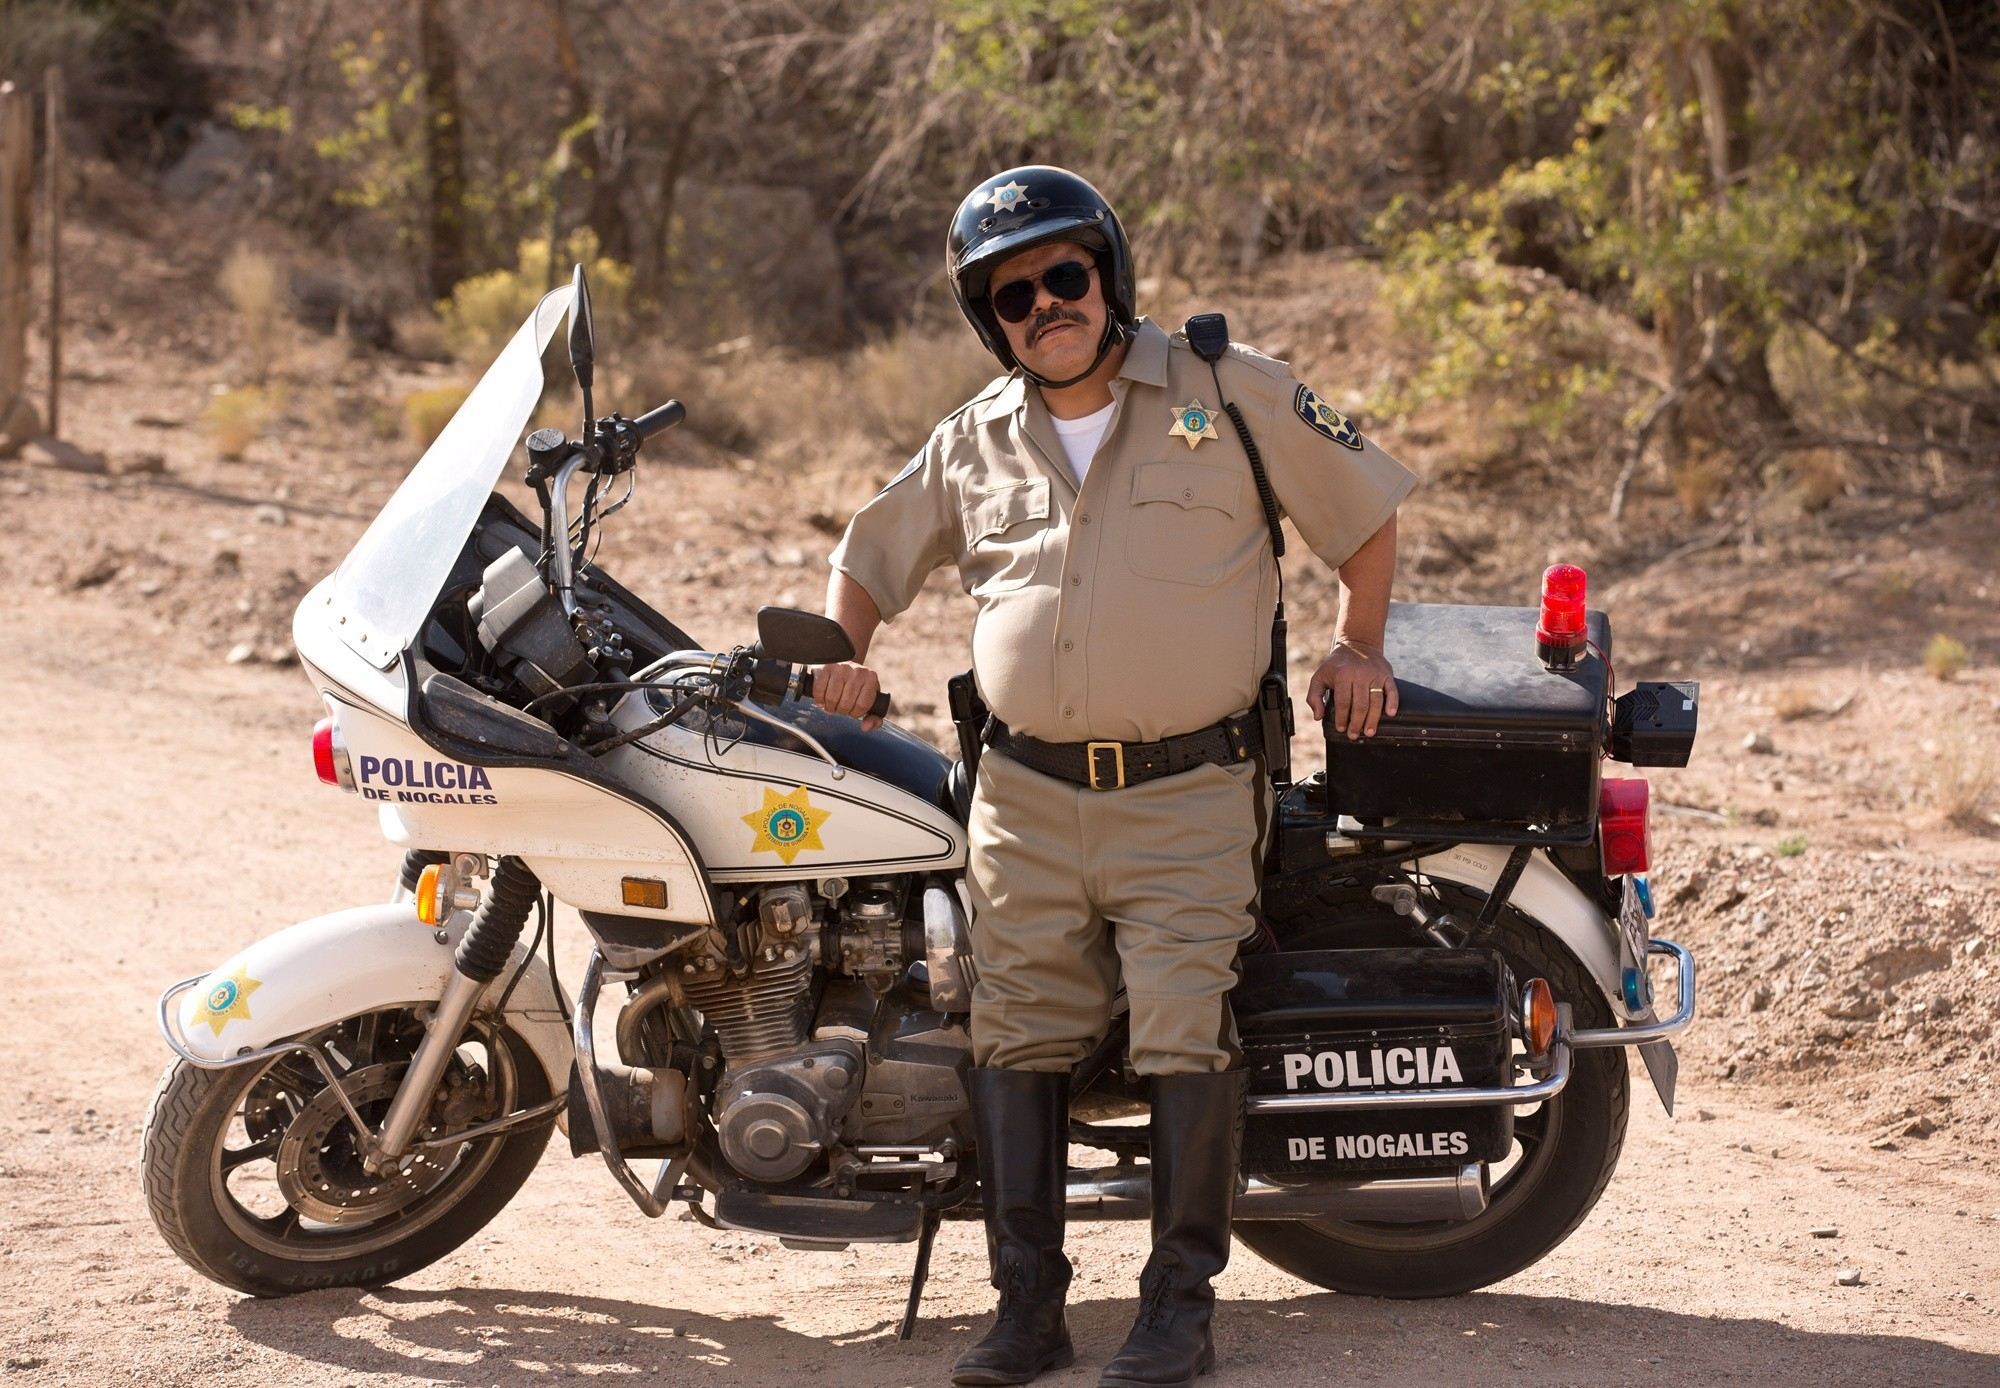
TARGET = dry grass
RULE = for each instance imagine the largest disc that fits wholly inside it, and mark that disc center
(1698, 484)
(1793, 702)
(1945, 658)
(238, 417)
(1956, 779)
(255, 288)
(426, 412)
(1816, 477)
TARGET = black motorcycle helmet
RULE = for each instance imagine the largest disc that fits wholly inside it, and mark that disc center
(1026, 207)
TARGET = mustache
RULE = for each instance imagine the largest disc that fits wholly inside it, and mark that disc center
(1054, 315)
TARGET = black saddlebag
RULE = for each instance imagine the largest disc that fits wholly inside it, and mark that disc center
(1487, 745)
(1351, 1021)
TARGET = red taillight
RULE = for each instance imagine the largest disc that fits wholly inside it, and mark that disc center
(1624, 825)
(1559, 635)
(330, 755)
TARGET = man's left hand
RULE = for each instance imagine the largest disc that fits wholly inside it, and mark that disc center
(1355, 682)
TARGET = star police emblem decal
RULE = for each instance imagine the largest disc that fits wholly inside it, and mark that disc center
(1194, 422)
(1007, 196)
(786, 825)
(227, 1000)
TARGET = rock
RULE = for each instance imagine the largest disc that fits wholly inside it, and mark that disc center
(140, 465)
(272, 514)
(1919, 1126)
(1883, 1144)
(1852, 1006)
(280, 654)
(47, 452)
(1941, 1006)
(1702, 1115)
(1975, 947)
(1760, 921)
(216, 158)
(149, 587)
(98, 573)
(241, 653)
(157, 421)
(225, 561)
(1824, 1231)
(1847, 1277)
(1760, 997)
(1759, 744)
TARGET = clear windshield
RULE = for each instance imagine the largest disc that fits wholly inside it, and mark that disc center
(386, 585)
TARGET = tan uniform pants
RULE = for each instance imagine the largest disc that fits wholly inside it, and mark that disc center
(1071, 885)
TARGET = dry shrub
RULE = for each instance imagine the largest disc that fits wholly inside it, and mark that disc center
(237, 417)
(419, 333)
(1956, 779)
(426, 412)
(1793, 702)
(1894, 588)
(1945, 657)
(255, 287)
(1699, 483)
(1815, 478)
(903, 385)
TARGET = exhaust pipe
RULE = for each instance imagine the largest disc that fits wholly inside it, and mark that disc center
(1125, 1192)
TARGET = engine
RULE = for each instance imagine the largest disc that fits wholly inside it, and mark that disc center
(865, 1059)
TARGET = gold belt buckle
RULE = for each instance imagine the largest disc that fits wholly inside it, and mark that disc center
(1091, 750)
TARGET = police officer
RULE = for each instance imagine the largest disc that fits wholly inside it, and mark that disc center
(1102, 513)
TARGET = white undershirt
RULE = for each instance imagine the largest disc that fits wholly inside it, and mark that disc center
(1080, 437)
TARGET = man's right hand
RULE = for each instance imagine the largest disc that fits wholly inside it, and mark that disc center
(848, 688)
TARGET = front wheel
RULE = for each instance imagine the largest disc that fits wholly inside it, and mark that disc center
(1565, 1149)
(254, 1175)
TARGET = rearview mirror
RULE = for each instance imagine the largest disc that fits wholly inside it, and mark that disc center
(582, 334)
(801, 638)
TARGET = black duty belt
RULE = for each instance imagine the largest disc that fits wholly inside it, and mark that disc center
(1112, 765)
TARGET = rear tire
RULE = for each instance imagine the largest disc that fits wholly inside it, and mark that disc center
(1567, 1147)
(188, 1169)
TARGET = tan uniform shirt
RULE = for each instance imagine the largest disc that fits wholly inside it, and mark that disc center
(1138, 606)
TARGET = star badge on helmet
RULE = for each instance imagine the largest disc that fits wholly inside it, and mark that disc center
(1008, 196)
(1194, 422)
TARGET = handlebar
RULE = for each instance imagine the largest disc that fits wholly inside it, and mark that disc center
(878, 709)
(658, 421)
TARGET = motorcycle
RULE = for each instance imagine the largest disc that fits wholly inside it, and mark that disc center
(776, 905)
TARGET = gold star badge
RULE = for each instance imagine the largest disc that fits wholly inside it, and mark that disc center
(1194, 422)
(226, 1001)
(787, 825)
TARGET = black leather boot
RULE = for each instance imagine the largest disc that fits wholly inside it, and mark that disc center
(1197, 1139)
(1021, 1118)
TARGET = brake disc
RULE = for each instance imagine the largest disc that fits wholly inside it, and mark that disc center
(319, 1162)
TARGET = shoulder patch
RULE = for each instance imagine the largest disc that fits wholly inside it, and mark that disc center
(909, 469)
(1325, 419)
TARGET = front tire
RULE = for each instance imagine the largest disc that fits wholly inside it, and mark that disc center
(312, 1220)
(1566, 1148)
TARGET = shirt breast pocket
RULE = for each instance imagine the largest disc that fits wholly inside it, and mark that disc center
(1183, 526)
(1005, 527)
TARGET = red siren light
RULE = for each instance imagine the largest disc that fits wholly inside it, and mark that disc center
(1559, 635)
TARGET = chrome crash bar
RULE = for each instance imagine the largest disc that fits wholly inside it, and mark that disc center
(651, 1199)
(1547, 1087)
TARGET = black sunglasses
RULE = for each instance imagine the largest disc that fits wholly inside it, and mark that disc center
(1068, 280)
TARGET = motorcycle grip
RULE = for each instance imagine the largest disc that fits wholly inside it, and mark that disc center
(878, 709)
(658, 421)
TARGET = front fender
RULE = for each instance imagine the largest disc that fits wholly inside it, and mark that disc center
(1552, 899)
(332, 967)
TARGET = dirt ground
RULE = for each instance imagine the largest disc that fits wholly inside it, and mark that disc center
(159, 811)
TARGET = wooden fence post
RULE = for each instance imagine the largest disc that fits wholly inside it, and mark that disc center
(17, 188)
(53, 141)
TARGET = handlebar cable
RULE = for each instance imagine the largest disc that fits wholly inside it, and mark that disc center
(673, 715)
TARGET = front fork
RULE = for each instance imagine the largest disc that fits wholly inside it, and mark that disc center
(482, 953)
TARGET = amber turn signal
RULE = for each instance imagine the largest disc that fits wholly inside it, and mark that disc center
(649, 893)
(430, 910)
(1538, 1017)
